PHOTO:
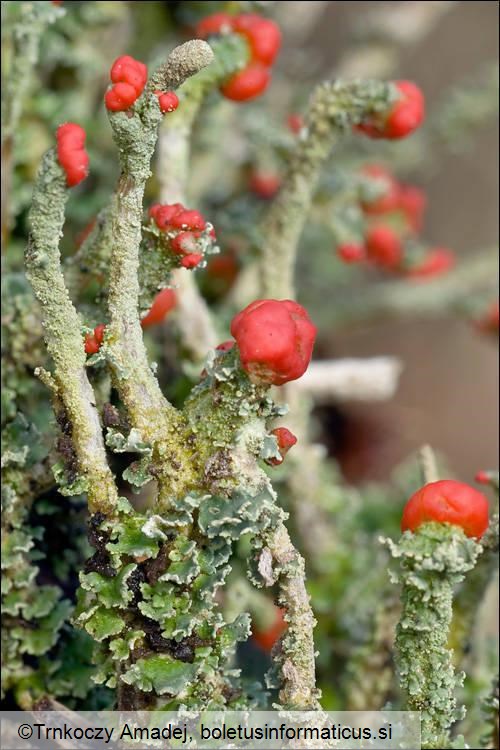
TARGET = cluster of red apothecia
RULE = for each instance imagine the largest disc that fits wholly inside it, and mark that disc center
(448, 501)
(264, 41)
(393, 220)
(129, 77)
(185, 231)
(265, 638)
(71, 152)
(402, 118)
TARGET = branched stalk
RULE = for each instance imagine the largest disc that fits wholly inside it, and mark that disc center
(298, 664)
(62, 329)
(194, 320)
(335, 108)
(158, 422)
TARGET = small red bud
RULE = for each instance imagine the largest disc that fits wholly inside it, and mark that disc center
(217, 23)
(247, 84)
(129, 77)
(405, 115)
(184, 243)
(263, 35)
(71, 152)
(225, 346)
(265, 184)
(351, 252)
(439, 260)
(163, 215)
(286, 440)
(383, 247)
(168, 101)
(295, 123)
(164, 301)
(482, 477)
(93, 341)
(412, 203)
(188, 220)
(386, 202)
(266, 639)
(191, 260)
(447, 501)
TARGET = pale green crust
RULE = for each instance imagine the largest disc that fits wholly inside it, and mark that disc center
(432, 562)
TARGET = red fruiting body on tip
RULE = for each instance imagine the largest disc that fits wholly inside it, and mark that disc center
(188, 220)
(215, 24)
(265, 185)
(176, 216)
(482, 477)
(93, 341)
(286, 440)
(191, 260)
(163, 214)
(412, 202)
(164, 301)
(383, 246)
(247, 84)
(71, 152)
(263, 35)
(275, 340)
(264, 39)
(184, 243)
(99, 333)
(389, 198)
(120, 97)
(351, 252)
(168, 101)
(129, 77)
(447, 501)
(126, 69)
(267, 638)
(56, 2)
(295, 123)
(405, 115)
(438, 260)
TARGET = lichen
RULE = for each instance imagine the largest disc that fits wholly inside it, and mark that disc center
(432, 562)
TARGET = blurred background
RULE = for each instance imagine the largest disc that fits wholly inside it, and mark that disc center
(448, 392)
